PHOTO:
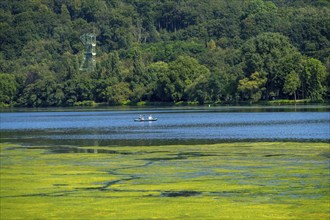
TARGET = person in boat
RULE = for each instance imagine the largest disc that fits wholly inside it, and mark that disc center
(150, 117)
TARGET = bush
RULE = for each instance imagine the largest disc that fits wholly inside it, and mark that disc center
(84, 103)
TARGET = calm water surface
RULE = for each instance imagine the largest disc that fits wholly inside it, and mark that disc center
(174, 126)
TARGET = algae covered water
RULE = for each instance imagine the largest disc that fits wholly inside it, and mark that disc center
(242, 180)
(174, 126)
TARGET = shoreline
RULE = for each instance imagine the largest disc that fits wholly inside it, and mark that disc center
(278, 102)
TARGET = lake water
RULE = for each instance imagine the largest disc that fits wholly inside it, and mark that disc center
(174, 125)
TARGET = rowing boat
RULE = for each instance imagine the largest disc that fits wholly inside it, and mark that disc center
(145, 119)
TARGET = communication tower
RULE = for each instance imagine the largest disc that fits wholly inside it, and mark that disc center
(88, 63)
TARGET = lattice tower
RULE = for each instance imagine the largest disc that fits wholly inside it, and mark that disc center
(88, 63)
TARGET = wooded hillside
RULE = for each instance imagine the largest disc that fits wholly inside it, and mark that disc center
(205, 51)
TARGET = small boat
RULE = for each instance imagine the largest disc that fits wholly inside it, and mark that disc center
(145, 119)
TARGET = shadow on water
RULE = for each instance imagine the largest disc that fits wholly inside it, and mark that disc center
(183, 193)
(141, 142)
(70, 149)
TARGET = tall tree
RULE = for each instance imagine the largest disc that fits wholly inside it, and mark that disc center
(269, 53)
(182, 73)
(291, 84)
(138, 79)
(314, 79)
(8, 88)
(252, 87)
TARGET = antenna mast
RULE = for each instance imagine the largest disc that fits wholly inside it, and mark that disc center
(88, 63)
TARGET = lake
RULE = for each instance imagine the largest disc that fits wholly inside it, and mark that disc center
(194, 125)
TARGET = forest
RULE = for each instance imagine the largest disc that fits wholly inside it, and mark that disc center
(165, 51)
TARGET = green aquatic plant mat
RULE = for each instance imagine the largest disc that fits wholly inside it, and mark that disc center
(273, 180)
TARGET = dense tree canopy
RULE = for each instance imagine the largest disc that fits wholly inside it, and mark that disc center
(207, 51)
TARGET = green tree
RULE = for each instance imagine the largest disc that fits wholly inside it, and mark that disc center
(314, 79)
(162, 86)
(164, 50)
(199, 90)
(214, 88)
(308, 30)
(118, 94)
(138, 79)
(260, 16)
(79, 89)
(8, 88)
(272, 54)
(42, 93)
(110, 67)
(251, 88)
(65, 14)
(182, 73)
(66, 67)
(291, 84)
(211, 45)
(115, 65)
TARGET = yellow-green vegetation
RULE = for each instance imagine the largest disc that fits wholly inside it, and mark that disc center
(275, 180)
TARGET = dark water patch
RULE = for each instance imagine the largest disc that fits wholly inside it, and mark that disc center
(251, 124)
(50, 194)
(147, 164)
(194, 154)
(275, 155)
(72, 149)
(66, 149)
(103, 187)
(109, 184)
(106, 185)
(74, 174)
(37, 141)
(327, 154)
(180, 156)
(63, 150)
(183, 193)
(60, 184)
(14, 148)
